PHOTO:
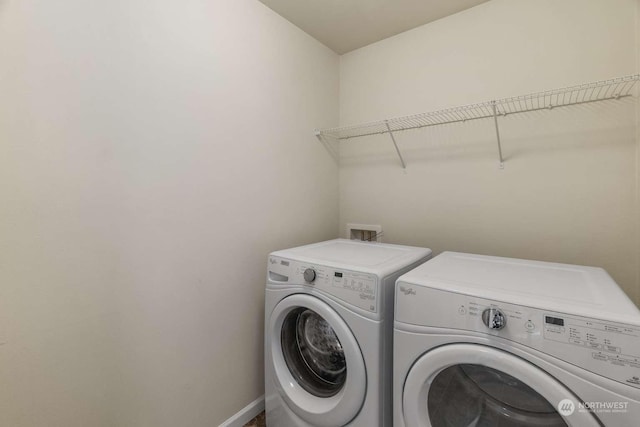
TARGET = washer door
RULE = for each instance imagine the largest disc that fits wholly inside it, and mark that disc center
(319, 368)
(474, 385)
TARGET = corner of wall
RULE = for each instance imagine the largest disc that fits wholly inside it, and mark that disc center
(637, 295)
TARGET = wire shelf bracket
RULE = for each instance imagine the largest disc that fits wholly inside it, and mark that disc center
(603, 90)
(495, 121)
(395, 144)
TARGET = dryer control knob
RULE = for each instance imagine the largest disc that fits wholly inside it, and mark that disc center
(309, 275)
(494, 318)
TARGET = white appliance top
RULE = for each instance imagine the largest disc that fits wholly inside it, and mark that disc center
(377, 258)
(572, 289)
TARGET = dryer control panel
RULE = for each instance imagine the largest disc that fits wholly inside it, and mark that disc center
(356, 288)
(605, 348)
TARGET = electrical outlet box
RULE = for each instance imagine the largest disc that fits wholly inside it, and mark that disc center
(364, 232)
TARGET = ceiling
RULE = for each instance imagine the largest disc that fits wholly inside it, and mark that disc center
(345, 25)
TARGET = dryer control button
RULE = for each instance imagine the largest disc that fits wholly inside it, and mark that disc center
(309, 275)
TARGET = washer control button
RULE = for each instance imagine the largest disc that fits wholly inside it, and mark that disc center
(309, 275)
(462, 310)
(530, 325)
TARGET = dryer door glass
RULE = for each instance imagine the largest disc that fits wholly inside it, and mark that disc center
(313, 353)
(468, 394)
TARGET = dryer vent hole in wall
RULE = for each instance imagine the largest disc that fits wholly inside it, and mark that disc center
(364, 235)
(364, 232)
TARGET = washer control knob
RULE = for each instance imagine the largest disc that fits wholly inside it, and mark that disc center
(309, 275)
(494, 318)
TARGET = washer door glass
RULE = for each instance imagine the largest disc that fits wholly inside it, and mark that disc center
(313, 353)
(317, 365)
(476, 395)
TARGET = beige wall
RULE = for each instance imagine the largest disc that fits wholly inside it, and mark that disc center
(151, 154)
(568, 191)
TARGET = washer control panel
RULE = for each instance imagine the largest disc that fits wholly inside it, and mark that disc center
(607, 342)
(356, 288)
(606, 348)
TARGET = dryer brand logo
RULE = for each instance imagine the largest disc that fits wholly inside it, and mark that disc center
(566, 407)
(407, 291)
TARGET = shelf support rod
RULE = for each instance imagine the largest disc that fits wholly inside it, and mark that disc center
(495, 121)
(395, 144)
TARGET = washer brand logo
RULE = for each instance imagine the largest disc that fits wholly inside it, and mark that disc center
(407, 291)
(273, 261)
(634, 380)
(566, 407)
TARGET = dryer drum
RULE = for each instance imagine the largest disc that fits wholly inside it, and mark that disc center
(469, 394)
(313, 353)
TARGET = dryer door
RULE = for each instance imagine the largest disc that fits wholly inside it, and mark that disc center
(318, 365)
(474, 385)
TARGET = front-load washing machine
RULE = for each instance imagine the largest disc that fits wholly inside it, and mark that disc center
(329, 331)
(488, 341)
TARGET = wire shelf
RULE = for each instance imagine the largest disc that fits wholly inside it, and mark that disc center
(573, 95)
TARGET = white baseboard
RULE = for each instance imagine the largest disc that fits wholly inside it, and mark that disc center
(245, 414)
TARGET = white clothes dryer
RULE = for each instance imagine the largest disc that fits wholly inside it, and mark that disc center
(488, 341)
(329, 331)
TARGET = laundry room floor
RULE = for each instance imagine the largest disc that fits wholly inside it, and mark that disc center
(258, 421)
